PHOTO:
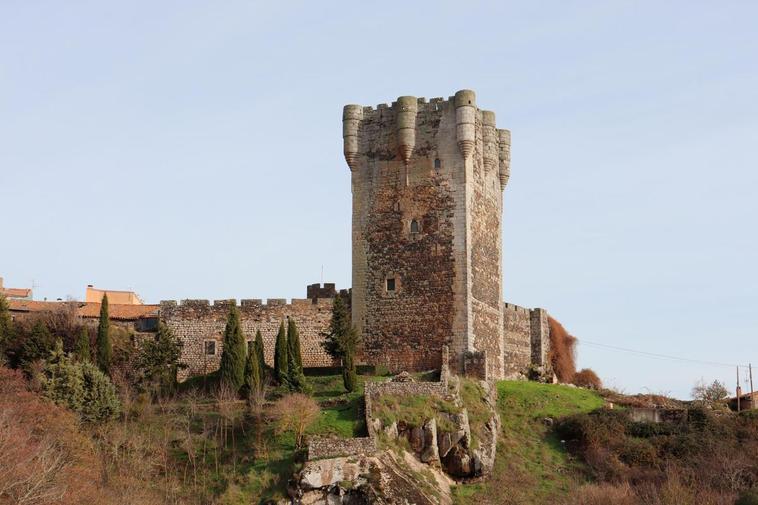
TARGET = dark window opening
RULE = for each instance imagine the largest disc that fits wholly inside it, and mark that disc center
(210, 347)
(414, 226)
(391, 284)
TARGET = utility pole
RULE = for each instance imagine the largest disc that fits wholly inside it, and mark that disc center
(752, 392)
(739, 389)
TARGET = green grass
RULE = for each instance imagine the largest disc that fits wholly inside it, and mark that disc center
(413, 410)
(531, 463)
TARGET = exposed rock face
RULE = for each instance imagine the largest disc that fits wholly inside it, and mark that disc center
(384, 479)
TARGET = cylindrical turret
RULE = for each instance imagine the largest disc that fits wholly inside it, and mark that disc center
(490, 142)
(504, 146)
(465, 120)
(351, 118)
(407, 107)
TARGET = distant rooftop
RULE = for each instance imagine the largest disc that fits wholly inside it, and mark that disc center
(17, 293)
(95, 295)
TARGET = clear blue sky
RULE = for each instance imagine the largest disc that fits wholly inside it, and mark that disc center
(193, 150)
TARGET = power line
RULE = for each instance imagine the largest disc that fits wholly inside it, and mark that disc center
(659, 356)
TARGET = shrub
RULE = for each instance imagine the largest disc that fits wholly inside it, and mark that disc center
(587, 378)
(104, 346)
(748, 498)
(294, 413)
(562, 355)
(37, 345)
(81, 387)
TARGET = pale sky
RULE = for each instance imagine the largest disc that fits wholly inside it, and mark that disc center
(193, 150)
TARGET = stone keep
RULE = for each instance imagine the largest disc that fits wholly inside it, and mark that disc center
(427, 185)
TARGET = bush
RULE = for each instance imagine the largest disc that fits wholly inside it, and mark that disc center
(562, 355)
(748, 498)
(587, 378)
(294, 413)
(81, 387)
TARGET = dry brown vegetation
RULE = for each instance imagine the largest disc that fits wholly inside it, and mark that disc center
(46, 457)
(562, 351)
(707, 459)
(587, 378)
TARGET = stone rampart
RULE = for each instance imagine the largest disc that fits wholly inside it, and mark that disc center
(526, 339)
(199, 325)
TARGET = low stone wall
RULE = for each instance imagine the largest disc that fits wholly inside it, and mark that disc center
(322, 447)
(653, 415)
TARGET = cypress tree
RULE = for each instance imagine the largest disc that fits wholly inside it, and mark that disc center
(293, 344)
(104, 347)
(294, 358)
(6, 324)
(258, 346)
(280, 355)
(338, 328)
(253, 380)
(81, 351)
(349, 374)
(233, 357)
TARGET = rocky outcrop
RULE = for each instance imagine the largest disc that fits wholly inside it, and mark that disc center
(386, 478)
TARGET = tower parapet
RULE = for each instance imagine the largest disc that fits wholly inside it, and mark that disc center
(427, 180)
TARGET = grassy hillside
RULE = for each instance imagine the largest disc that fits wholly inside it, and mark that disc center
(532, 465)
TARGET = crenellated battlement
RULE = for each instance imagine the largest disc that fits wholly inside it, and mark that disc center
(411, 128)
(173, 307)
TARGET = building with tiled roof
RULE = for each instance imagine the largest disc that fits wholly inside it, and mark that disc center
(15, 293)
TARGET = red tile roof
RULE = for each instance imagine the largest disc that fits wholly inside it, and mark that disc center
(16, 292)
(115, 311)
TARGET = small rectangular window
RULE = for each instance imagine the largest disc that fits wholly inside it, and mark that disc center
(437, 164)
(391, 284)
(210, 347)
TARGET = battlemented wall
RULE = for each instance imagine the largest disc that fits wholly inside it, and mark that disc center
(526, 339)
(427, 180)
(196, 322)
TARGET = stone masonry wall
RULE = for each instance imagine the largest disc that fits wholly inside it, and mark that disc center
(196, 321)
(526, 339)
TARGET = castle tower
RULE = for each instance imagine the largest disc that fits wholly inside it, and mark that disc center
(427, 182)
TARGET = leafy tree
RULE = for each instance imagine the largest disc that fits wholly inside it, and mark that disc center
(233, 357)
(82, 387)
(709, 393)
(157, 361)
(104, 346)
(6, 324)
(280, 355)
(37, 345)
(342, 343)
(253, 373)
(259, 353)
(294, 358)
(81, 351)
